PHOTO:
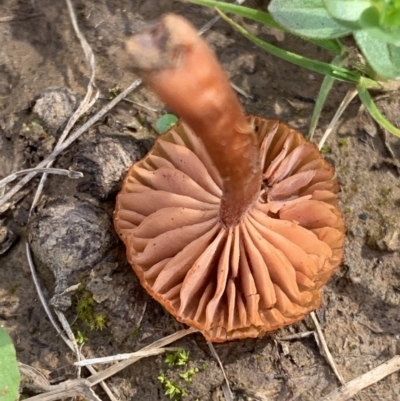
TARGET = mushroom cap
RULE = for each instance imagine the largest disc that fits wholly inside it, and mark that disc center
(242, 281)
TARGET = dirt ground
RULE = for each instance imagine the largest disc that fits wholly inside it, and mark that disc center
(111, 312)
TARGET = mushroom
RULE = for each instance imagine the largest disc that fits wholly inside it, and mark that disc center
(230, 222)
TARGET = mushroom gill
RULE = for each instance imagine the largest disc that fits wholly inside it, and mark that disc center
(235, 239)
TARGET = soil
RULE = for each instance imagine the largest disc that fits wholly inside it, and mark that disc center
(360, 316)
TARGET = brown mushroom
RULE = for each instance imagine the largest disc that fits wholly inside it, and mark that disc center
(230, 222)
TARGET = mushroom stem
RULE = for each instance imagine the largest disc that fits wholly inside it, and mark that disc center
(180, 68)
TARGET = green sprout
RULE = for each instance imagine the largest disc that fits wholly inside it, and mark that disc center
(80, 337)
(178, 358)
(172, 390)
(188, 375)
(114, 91)
(325, 149)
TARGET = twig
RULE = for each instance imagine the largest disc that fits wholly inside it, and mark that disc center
(19, 17)
(225, 386)
(343, 106)
(296, 336)
(241, 91)
(43, 299)
(112, 370)
(69, 388)
(141, 315)
(33, 377)
(354, 386)
(319, 337)
(123, 357)
(59, 171)
(144, 106)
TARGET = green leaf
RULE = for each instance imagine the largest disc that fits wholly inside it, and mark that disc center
(384, 36)
(383, 57)
(266, 19)
(340, 73)
(9, 373)
(373, 110)
(347, 12)
(165, 122)
(308, 18)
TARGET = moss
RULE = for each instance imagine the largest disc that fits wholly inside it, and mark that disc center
(385, 196)
(343, 143)
(325, 149)
(86, 312)
(13, 289)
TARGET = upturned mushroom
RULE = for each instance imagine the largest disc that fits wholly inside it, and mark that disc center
(230, 222)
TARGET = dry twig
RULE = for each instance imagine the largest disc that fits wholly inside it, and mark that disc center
(12, 18)
(350, 95)
(354, 386)
(225, 387)
(319, 337)
(59, 171)
(296, 336)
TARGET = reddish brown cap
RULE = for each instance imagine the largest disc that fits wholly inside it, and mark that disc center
(247, 279)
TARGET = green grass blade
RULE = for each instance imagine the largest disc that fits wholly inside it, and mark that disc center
(320, 67)
(324, 90)
(332, 45)
(373, 110)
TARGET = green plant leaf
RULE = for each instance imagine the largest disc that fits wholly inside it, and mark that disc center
(383, 57)
(339, 73)
(9, 373)
(332, 45)
(308, 18)
(165, 122)
(347, 12)
(373, 110)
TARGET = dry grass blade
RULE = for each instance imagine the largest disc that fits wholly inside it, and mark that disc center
(112, 370)
(225, 387)
(143, 106)
(19, 17)
(122, 357)
(296, 336)
(70, 388)
(33, 377)
(59, 171)
(350, 95)
(43, 299)
(319, 337)
(354, 386)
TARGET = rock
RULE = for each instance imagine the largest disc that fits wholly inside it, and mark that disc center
(69, 235)
(55, 106)
(104, 158)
